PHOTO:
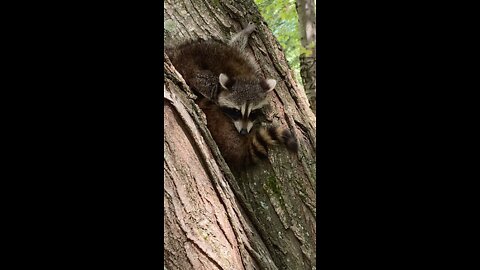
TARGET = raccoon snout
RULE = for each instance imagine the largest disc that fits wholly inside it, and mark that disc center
(243, 126)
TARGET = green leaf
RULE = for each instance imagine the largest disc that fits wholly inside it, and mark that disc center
(282, 18)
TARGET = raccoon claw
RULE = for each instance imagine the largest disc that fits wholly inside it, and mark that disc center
(250, 28)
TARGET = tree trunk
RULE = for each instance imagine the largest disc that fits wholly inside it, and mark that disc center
(263, 218)
(307, 26)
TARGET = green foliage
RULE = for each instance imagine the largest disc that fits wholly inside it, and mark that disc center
(282, 19)
(307, 51)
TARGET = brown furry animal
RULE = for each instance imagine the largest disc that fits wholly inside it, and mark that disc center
(232, 97)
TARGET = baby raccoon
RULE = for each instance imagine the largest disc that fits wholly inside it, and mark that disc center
(232, 95)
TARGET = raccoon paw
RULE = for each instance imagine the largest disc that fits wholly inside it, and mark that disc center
(289, 140)
(250, 28)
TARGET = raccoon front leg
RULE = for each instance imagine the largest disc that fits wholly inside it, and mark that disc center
(240, 39)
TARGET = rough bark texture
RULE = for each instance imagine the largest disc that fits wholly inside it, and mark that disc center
(263, 218)
(307, 26)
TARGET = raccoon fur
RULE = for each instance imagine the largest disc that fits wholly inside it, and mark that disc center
(232, 95)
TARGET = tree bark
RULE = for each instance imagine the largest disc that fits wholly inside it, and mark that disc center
(308, 63)
(263, 218)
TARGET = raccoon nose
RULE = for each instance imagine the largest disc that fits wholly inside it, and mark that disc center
(243, 131)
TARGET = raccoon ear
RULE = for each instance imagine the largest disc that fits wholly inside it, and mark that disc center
(268, 84)
(225, 82)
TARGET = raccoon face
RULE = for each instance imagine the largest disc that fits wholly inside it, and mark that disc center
(242, 100)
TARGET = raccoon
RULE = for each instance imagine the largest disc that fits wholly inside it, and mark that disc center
(232, 95)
